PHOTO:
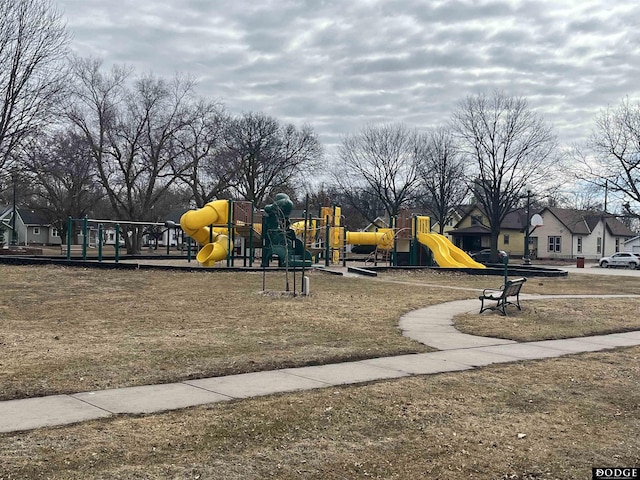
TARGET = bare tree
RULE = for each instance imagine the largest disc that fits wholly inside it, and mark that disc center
(132, 133)
(381, 160)
(442, 175)
(63, 179)
(512, 148)
(613, 153)
(267, 156)
(207, 172)
(33, 46)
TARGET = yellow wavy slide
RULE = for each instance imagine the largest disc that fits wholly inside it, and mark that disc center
(445, 253)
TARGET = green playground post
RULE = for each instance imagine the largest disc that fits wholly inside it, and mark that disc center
(394, 254)
(505, 260)
(100, 242)
(414, 242)
(251, 247)
(327, 246)
(231, 241)
(84, 238)
(69, 237)
(304, 243)
(344, 245)
(117, 246)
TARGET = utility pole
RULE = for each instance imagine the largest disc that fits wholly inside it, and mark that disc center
(14, 234)
(604, 218)
(527, 258)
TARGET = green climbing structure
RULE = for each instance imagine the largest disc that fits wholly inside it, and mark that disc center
(279, 239)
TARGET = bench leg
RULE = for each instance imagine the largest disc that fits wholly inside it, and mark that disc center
(517, 304)
(502, 307)
(488, 307)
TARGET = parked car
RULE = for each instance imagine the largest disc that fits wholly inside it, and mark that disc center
(484, 255)
(620, 259)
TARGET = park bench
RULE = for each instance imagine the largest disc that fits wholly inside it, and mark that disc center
(502, 295)
(75, 249)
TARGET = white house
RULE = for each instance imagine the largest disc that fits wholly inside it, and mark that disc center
(569, 233)
(31, 228)
(632, 245)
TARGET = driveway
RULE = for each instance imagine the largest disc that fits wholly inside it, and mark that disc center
(595, 269)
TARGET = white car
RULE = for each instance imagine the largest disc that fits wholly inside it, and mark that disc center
(620, 259)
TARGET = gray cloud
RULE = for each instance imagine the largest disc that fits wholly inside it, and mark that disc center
(337, 65)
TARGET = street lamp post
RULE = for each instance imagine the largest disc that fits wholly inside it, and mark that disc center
(527, 258)
(14, 234)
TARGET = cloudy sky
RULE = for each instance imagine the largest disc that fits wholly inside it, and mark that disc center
(339, 64)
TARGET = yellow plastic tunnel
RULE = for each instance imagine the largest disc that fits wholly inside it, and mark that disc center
(383, 238)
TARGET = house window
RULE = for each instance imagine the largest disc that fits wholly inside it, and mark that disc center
(506, 239)
(579, 244)
(599, 245)
(476, 219)
(554, 244)
(55, 233)
(36, 230)
(617, 244)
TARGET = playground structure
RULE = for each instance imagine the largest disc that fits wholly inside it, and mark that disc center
(228, 230)
(279, 238)
(295, 244)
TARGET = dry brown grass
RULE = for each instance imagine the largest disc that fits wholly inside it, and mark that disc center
(575, 412)
(575, 284)
(71, 330)
(553, 319)
(68, 329)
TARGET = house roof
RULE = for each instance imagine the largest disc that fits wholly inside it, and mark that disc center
(618, 229)
(31, 217)
(582, 222)
(379, 222)
(576, 221)
(464, 209)
(514, 220)
(472, 230)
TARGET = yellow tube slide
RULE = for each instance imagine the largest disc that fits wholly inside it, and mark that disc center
(195, 223)
(383, 238)
(215, 251)
(446, 253)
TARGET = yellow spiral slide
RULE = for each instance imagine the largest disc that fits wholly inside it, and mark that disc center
(195, 223)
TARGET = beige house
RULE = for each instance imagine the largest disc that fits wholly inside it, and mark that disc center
(569, 233)
(472, 232)
(455, 215)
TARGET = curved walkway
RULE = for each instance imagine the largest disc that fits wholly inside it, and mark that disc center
(432, 326)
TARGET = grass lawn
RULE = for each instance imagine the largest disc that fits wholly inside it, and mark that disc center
(67, 330)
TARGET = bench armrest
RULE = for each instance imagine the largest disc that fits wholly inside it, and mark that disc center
(492, 291)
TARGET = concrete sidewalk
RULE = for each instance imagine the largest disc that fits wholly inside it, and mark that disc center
(432, 326)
